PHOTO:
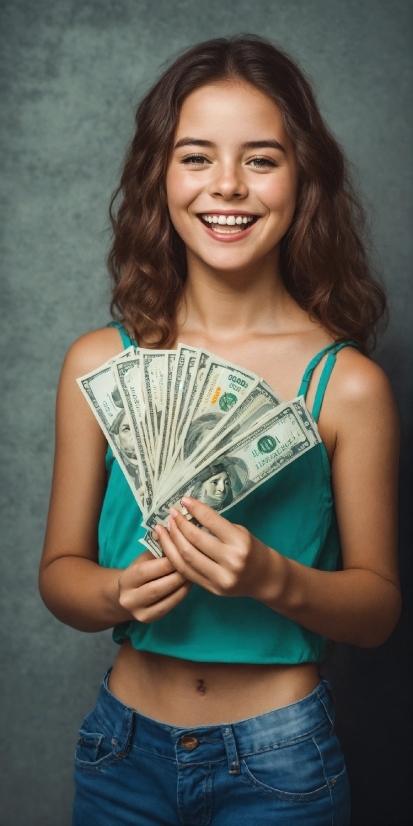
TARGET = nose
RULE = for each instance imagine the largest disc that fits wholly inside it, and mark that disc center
(220, 486)
(228, 182)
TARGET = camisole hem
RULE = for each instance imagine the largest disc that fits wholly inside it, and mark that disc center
(243, 656)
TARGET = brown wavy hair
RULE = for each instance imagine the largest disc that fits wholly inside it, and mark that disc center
(323, 256)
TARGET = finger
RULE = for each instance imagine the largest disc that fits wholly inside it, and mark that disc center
(146, 568)
(210, 519)
(163, 606)
(159, 588)
(140, 597)
(203, 541)
(193, 564)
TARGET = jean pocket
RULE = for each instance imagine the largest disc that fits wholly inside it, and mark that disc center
(95, 747)
(291, 771)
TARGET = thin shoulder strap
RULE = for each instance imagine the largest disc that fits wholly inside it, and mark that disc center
(332, 351)
(126, 339)
(308, 372)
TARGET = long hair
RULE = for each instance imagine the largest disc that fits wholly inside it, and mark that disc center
(323, 258)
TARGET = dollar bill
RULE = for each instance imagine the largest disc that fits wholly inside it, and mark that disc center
(186, 422)
(102, 394)
(259, 401)
(224, 385)
(230, 474)
(153, 366)
(161, 452)
(128, 377)
(220, 388)
(174, 400)
(194, 386)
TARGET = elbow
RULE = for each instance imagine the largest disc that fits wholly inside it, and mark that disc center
(383, 623)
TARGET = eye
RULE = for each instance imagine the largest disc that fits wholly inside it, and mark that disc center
(262, 163)
(195, 160)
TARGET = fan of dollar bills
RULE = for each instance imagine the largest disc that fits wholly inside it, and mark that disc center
(186, 422)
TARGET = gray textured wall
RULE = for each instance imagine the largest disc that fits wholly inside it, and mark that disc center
(72, 73)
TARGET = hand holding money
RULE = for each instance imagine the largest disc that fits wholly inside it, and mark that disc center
(186, 423)
(225, 560)
(149, 588)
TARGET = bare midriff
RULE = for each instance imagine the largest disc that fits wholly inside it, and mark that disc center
(186, 693)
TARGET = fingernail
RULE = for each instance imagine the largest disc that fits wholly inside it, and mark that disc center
(155, 535)
(186, 501)
(173, 512)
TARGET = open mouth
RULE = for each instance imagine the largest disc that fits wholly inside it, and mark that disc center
(232, 224)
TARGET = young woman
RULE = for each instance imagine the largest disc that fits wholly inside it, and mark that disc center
(237, 231)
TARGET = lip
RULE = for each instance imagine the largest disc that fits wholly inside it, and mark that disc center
(230, 238)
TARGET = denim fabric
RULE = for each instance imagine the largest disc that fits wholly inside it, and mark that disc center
(283, 767)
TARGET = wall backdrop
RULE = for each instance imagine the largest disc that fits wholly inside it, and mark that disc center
(72, 73)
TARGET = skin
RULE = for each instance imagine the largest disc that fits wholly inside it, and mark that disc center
(236, 306)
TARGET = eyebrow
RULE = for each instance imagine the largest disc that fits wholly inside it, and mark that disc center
(267, 144)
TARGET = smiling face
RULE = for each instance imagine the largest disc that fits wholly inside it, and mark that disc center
(232, 177)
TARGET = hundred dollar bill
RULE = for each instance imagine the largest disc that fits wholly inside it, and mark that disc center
(185, 381)
(102, 394)
(128, 378)
(194, 387)
(228, 475)
(221, 387)
(224, 386)
(161, 451)
(259, 401)
(174, 400)
(153, 366)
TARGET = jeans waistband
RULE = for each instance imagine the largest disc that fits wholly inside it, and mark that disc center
(128, 727)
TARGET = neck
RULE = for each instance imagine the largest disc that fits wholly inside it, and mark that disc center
(226, 305)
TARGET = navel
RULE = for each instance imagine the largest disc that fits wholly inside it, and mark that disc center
(201, 687)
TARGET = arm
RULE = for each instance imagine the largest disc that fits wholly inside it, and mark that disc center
(359, 604)
(72, 584)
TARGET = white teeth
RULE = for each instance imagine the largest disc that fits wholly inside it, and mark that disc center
(228, 220)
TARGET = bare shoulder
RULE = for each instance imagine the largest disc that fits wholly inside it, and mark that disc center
(357, 378)
(358, 387)
(91, 350)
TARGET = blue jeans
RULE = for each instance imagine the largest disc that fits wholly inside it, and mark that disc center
(283, 767)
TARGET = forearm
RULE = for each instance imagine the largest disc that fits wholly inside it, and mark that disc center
(353, 606)
(81, 593)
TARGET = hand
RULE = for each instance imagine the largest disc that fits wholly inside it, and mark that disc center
(149, 588)
(229, 563)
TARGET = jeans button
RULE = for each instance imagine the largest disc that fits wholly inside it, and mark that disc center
(189, 742)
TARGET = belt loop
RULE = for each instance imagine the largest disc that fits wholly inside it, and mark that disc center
(123, 737)
(329, 706)
(231, 749)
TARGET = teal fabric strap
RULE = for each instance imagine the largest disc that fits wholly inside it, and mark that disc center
(126, 340)
(310, 368)
(332, 350)
(322, 384)
(325, 376)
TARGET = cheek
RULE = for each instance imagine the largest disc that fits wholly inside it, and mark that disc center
(281, 195)
(279, 191)
(181, 189)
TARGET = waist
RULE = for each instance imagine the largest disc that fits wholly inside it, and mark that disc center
(185, 693)
(260, 732)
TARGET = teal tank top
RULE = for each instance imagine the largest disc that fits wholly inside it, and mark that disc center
(292, 512)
